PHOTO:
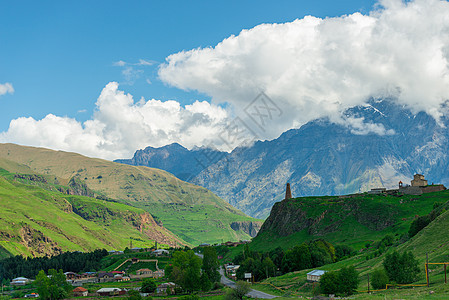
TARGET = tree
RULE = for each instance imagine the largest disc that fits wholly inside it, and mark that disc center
(54, 286)
(134, 295)
(401, 268)
(186, 270)
(379, 279)
(148, 286)
(206, 284)
(329, 283)
(342, 282)
(348, 280)
(297, 258)
(418, 224)
(342, 251)
(241, 289)
(211, 264)
(268, 268)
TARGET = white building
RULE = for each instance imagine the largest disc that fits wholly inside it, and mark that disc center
(315, 275)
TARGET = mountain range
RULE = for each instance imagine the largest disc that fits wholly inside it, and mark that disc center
(389, 145)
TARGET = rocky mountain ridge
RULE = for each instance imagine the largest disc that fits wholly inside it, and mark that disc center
(381, 144)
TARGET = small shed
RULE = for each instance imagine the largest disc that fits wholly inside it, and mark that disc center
(315, 275)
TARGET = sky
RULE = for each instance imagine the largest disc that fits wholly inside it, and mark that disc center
(105, 78)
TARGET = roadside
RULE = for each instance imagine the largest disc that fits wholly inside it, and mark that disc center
(253, 293)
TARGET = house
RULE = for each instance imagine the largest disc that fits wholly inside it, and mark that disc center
(204, 245)
(315, 275)
(166, 288)
(80, 292)
(231, 271)
(72, 275)
(144, 272)
(110, 292)
(105, 276)
(158, 273)
(134, 260)
(160, 252)
(89, 275)
(118, 272)
(20, 281)
(136, 249)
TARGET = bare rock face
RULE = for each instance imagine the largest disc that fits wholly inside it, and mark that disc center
(38, 243)
(249, 227)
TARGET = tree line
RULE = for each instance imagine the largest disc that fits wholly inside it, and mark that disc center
(192, 273)
(277, 262)
(16, 266)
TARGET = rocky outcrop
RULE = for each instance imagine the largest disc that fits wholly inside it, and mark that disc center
(320, 216)
(37, 243)
(31, 177)
(249, 227)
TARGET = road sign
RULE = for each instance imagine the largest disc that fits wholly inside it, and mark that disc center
(247, 275)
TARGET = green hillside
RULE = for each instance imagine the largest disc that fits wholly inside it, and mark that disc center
(36, 221)
(342, 220)
(431, 240)
(191, 212)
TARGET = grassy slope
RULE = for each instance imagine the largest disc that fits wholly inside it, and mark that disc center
(191, 212)
(108, 225)
(432, 240)
(339, 226)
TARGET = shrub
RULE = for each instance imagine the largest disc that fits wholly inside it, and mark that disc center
(379, 279)
(401, 268)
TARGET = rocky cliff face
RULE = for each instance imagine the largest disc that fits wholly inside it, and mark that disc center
(249, 227)
(319, 217)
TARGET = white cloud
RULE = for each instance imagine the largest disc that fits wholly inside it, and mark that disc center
(119, 63)
(143, 62)
(6, 88)
(133, 71)
(314, 67)
(131, 75)
(120, 125)
(360, 127)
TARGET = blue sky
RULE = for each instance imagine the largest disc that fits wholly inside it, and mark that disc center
(58, 55)
(105, 78)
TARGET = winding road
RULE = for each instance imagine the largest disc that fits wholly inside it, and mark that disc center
(253, 293)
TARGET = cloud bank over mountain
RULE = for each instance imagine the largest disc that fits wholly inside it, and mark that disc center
(310, 68)
(314, 67)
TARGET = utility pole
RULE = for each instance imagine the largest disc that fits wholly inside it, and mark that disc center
(427, 268)
(445, 277)
(368, 282)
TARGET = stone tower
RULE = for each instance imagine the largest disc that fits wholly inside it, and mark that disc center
(288, 192)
